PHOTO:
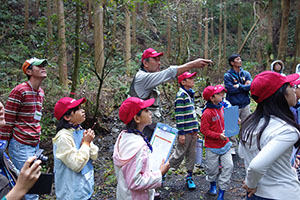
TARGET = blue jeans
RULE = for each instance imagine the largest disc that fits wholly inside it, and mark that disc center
(18, 154)
(254, 197)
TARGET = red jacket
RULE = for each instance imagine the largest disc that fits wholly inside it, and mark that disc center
(212, 125)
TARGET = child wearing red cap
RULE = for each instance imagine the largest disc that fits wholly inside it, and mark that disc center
(131, 153)
(73, 152)
(267, 138)
(216, 143)
(188, 126)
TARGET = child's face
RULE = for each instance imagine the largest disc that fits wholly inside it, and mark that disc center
(277, 67)
(217, 98)
(145, 118)
(290, 96)
(188, 83)
(77, 117)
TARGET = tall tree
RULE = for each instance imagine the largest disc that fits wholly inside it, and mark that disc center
(200, 24)
(206, 34)
(127, 38)
(89, 5)
(212, 32)
(145, 15)
(98, 36)
(297, 37)
(239, 32)
(62, 60)
(114, 29)
(77, 51)
(26, 7)
(225, 31)
(133, 39)
(285, 8)
(168, 31)
(220, 35)
(270, 32)
(49, 27)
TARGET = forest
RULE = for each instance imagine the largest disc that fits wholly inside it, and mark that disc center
(94, 49)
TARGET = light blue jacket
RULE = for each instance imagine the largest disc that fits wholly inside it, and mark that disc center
(70, 184)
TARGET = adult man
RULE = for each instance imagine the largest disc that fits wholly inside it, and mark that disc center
(23, 112)
(149, 77)
(237, 82)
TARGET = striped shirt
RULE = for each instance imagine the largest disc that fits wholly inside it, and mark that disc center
(22, 103)
(186, 119)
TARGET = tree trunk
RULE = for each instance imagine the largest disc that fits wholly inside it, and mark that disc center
(145, 12)
(37, 8)
(270, 33)
(297, 38)
(90, 23)
(206, 34)
(49, 28)
(98, 36)
(179, 29)
(26, 14)
(225, 33)
(133, 39)
(62, 60)
(127, 39)
(220, 36)
(239, 34)
(200, 24)
(77, 51)
(169, 32)
(212, 33)
(114, 29)
(285, 7)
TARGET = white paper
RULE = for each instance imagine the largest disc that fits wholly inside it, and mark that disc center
(162, 142)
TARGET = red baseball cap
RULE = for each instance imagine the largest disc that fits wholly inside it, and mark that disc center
(151, 53)
(131, 106)
(265, 84)
(211, 90)
(64, 104)
(185, 75)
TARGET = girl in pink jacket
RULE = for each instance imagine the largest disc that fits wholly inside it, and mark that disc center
(131, 153)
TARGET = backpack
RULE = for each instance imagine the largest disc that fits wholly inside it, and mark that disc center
(8, 174)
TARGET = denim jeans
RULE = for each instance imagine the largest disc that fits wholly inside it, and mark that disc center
(18, 154)
(254, 197)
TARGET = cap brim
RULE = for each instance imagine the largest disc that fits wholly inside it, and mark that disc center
(192, 75)
(296, 82)
(39, 62)
(77, 103)
(157, 54)
(147, 103)
(291, 78)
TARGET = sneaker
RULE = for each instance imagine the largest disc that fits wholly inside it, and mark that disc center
(190, 183)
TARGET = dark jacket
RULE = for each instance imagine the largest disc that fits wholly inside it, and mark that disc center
(237, 96)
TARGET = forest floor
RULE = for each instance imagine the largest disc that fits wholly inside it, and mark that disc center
(174, 186)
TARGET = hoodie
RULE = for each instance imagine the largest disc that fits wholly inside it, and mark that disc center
(131, 162)
(269, 170)
(282, 68)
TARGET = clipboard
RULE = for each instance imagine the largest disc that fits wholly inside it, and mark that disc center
(162, 141)
(231, 118)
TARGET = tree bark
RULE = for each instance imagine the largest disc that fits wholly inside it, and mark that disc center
(270, 32)
(206, 34)
(77, 51)
(127, 39)
(90, 4)
(133, 39)
(37, 8)
(297, 38)
(169, 32)
(49, 27)
(212, 32)
(114, 29)
(26, 7)
(98, 36)
(220, 36)
(285, 7)
(62, 60)
(200, 24)
(145, 12)
(225, 32)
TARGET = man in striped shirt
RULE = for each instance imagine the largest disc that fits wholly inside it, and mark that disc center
(188, 126)
(23, 113)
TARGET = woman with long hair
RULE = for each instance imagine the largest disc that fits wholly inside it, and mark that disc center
(267, 138)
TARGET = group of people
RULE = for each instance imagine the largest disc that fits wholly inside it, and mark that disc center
(269, 137)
